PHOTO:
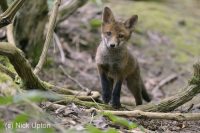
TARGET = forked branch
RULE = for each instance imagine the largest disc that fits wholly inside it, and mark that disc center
(7, 17)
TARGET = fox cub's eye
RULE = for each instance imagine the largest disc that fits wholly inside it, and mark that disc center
(121, 36)
(108, 33)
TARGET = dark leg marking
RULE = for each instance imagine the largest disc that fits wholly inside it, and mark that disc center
(116, 95)
(106, 90)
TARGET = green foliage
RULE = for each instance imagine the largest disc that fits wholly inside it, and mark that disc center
(44, 130)
(35, 96)
(92, 129)
(21, 118)
(121, 121)
(111, 130)
(2, 126)
(6, 100)
(95, 23)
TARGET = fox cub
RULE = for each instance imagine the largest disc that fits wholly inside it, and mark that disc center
(114, 62)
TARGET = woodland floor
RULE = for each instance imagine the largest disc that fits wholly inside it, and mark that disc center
(165, 43)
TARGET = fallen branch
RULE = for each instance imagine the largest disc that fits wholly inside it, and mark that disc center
(7, 17)
(171, 103)
(72, 99)
(49, 36)
(136, 113)
(74, 80)
(68, 8)
(150, 115)
(57, 42)
(21, 66)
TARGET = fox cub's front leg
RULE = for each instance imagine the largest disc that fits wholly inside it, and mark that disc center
(116, 94)
(106, 88)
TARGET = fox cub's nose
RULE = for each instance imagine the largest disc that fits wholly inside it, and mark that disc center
(112, 45)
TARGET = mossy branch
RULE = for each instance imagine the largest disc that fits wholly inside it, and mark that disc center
(21, 66)
(196, 77)
(32, 81)
(7, 17)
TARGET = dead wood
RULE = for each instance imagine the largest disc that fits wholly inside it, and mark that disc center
(150, 115)
(171, 103)
(21, 66)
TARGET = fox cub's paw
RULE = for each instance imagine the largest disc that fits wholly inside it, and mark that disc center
(106, 98)
(115, 104)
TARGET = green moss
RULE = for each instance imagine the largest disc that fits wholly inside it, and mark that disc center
(6, 62)
(95, 23)
(165, 19)
(5, 79)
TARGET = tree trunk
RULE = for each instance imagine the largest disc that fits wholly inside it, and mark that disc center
(29, 28)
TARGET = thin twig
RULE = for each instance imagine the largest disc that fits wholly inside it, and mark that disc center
(81, 86)
(49, 36)
(57, 41)
(74, 80)
(10, 36)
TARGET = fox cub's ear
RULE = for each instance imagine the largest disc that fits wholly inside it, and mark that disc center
(108, 16)
(131, 21)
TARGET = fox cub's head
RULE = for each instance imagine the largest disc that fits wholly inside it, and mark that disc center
(114, 33)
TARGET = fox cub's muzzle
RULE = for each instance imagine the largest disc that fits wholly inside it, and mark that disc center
(111, 43)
